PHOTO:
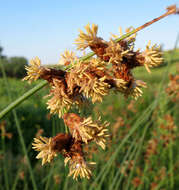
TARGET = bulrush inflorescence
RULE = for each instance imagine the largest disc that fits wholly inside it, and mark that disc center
(82, 131)
(90, 79)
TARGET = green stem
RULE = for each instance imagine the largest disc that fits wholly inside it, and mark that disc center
(136, 157)
(22, 98)
(20, 133)
(5, 162)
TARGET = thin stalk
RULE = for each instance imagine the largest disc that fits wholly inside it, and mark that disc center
(17, 175)
(123, 161)
(20, 133)
(171, 165)
(49, 178)
(161, 183)
(130, 158)
(44, 83)
(143, 177)
(16, 179)
(4, 162)
(22, 98)
(137, 155)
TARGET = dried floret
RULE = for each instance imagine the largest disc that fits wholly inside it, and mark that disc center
(85, 40)
(78, 167)
(45, 147)
(152, 55)
(95, 88)
(34, 71)
(116, 52)
(67, 58)
(134, 89)
(60, 101)
(120, 85)
(85, 75)
(86, 129)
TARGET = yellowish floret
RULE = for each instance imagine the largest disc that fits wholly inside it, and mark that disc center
(45, 147)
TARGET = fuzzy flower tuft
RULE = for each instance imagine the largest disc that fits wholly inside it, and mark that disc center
(94, 131)
(95, 88)
(45, 147)
(86, 130)
(153, 56)
(135, 90)
(34, 71)
(79, 167)
(85, 40)
(67, 57)
(116, 52)
(85, 75)
(60, 101)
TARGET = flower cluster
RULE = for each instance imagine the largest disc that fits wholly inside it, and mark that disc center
(94, 78)
(85, 80)
(82, 131)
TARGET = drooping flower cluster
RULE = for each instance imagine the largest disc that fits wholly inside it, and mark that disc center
(82, 131)
(88, 80)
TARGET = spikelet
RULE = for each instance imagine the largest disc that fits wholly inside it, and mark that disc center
(85, 40)
(34, 71)
(60, 101)
(67, 57)
(116, 52)
(91, 131)
(78, 167)
(95, 88)
(91, 85)
(152, 55)
(45, 147)
(135, 89)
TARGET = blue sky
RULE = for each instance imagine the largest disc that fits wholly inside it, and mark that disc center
(45, 28)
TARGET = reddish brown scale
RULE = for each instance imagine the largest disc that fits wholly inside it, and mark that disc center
(124, 44)
(71, 120)
(122, 72)
(100, 51)
(50, 74)
(75, 151)
(134, 61)
(62, 141)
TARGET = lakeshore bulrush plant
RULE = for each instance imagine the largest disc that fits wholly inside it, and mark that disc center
(90, 79)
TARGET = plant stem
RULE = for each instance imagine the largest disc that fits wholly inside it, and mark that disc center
(5, 162)
(20, 133)
(22, 98)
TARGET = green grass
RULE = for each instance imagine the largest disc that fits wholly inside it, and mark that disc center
(128, 141)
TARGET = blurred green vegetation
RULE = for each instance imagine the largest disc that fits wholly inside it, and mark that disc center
(134, 126)
(14, 66)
